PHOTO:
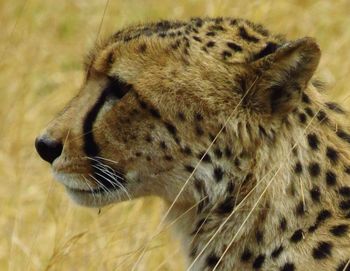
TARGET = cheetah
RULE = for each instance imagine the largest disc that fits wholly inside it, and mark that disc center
(226, 123)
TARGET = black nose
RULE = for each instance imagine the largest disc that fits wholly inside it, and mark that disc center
(48, 149)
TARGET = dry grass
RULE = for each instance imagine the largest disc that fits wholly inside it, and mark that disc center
(42, 44)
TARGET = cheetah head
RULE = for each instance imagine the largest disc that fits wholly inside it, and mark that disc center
(175, 106)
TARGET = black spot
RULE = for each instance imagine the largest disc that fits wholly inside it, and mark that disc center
(331, 178)
(211, 137)
(171, 128)
(288, 267)
(283, 224)
(298, 168)
(276, 252)
(259, 236)
(198, 117)
(315, 194)
(164, 25)
(344, 191)
(176, 44)
(219, 20)
(189, 168)
(218, 153)
(313, 228)
(199, 130)
(206, 157)
(297, 236)
(197, 38)
(344, 205)
(163, 145)
(322, 251)
(198, 22)
(300, 209)
(143, 105)
(270, 48)
(233, 46)
(244, 35)
(259, 261)
(309, 111)
(138, 154)
(148, 158)
(335, 107)
(212, 260)
(314, 169)
(181, 116)
(110, 58)
(344, 266)
(155, 113)
(339, 230)
(233, 22)
(148, 138)
(230, 187)
(332, 155)
(305, 98)
(168, 157)
(246, 255)
(226, 206)
(216, 28)
(186, 150)
(211, 34)
(313, 141)
(142, 48)
(210, 44)
(228, 152)
(226, 54)
(302, 117)
(177, 140)
(218, 174)
(323, 215)
(237, 162)
(321, 116)
(343, 135)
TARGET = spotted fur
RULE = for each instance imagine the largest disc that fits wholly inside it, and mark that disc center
(223, 119)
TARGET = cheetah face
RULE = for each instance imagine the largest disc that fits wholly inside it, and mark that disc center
(124, 138)
(150, 109)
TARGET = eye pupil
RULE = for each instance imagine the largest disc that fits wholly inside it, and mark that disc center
(117, 88)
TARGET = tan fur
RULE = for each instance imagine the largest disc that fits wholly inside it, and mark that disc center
(232, 81)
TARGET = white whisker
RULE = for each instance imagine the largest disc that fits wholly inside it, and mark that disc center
(114, 178)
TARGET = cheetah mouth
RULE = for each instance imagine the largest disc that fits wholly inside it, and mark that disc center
(87, 192)
(100, 181)
(92, 191)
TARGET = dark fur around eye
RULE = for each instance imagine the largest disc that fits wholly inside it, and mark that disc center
(117, 88)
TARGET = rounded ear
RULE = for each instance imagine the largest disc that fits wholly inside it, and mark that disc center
(283, 75)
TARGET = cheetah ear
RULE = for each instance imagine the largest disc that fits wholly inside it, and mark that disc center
(283, 75)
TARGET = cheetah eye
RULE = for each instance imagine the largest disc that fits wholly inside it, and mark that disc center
(116, 88)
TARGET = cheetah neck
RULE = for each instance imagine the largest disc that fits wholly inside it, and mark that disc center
(296, 213)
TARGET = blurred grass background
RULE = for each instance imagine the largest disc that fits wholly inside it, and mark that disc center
(42, 46)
